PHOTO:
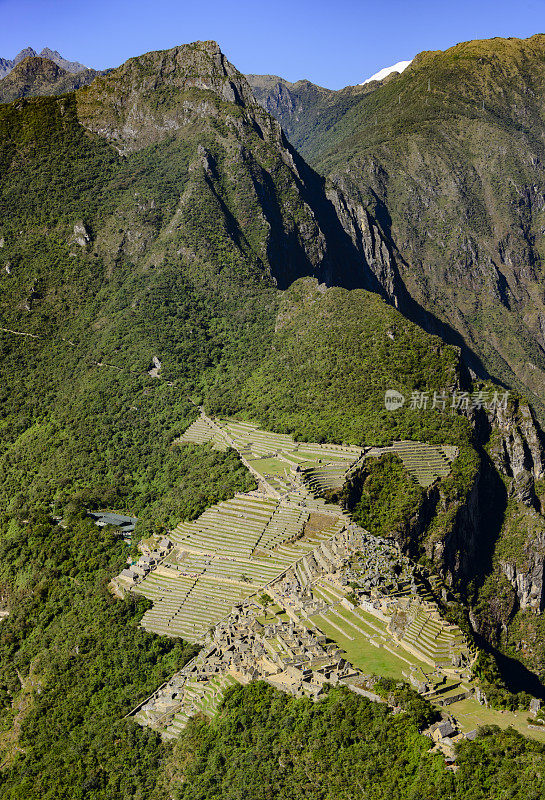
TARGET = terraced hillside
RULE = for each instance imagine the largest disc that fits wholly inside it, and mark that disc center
(424, 462)
(430, 635)
(277, 458)
(283, 543)
(428, 643)
(322, 466)
(310, 629)
(240, 546)
(231, 551)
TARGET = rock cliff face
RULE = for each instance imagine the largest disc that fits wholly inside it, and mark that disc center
(5, 67)
(155, 95)
(518, 449)
(490, 531)
(377, 268)
(449, 159)
(193, 94)
(528, 582)
(500, 525)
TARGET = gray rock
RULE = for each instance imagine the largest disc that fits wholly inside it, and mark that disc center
(81, 234)
(523, 489)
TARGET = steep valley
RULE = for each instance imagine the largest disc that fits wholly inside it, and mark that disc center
(170, 264)
(447, 157)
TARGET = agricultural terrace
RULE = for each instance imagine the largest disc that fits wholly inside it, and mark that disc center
(280, 541)
(283, 462)
(242, 545)
(227, 554)
(424, 462)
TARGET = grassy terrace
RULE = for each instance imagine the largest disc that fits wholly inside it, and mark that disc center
(471, 715)
(424, 462)
(274, 455)
(228, 553)
(199, 697)
(360, 652)
(323, 466)
(364, 638)
(360, 633)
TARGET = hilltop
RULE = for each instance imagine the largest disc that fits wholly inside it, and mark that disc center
(7, 65)
(163, 247)
(448, 158)
(36, 75)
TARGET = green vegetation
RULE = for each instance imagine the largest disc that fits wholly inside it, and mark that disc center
(472, 112)
(371, 659)
(332, 359)
(383, 498)
(494, 687)
(522, 528)
(402, 696)
(200, 478)
(305, 111)
(265, 745)
(187, 237)
(73, 662)
(40, 76)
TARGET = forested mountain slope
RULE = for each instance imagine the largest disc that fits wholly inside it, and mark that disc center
(449, 158)
(161, 226)
(160, 213)
(303, 108)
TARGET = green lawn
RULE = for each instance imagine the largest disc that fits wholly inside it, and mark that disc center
(470, 715)
(270, 466)
(362, 654)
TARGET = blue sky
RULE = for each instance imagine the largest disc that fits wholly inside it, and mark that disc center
(331, 43)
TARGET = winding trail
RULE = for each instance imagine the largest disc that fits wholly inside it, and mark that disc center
(73, 344)
(20, 333)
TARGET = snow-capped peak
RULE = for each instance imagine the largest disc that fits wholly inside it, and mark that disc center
(379, 76)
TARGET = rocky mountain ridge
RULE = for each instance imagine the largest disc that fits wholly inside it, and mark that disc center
(187, 206)
(498, 528)
(458, 139)
(36, 76)
(303, 106)
(6, 64)
(159, 216)
(164, 94)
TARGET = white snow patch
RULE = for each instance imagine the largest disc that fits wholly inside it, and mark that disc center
(379, 76)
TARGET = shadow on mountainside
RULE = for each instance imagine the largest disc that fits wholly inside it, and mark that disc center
(345, 266)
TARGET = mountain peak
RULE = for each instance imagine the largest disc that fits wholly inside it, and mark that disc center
(69, 66)
(34, 64)
(28, 52)
(383, 73)
(38, 76)
(51, 54)
(160, 91)
(6, 64)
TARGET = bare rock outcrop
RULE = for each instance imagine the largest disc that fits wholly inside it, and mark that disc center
(81, 235)
(518, 445)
